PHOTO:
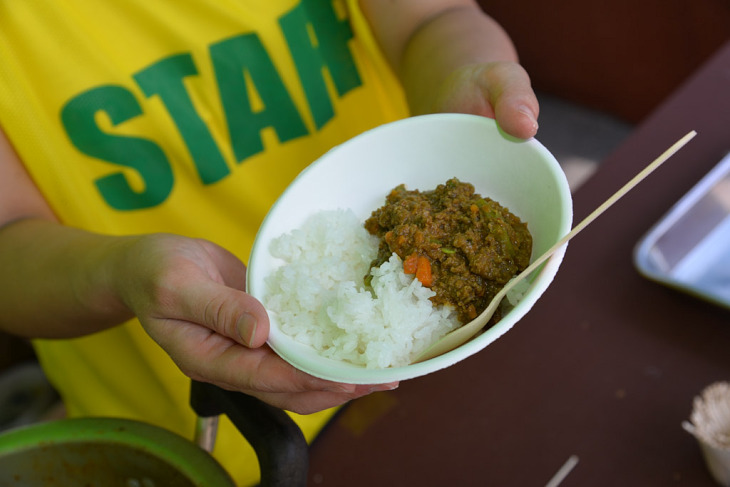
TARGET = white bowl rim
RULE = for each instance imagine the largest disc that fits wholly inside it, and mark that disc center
(306, 359)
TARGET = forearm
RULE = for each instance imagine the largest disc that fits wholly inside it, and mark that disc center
(58, 281)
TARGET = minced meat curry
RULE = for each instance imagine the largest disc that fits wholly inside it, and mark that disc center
(463, 246)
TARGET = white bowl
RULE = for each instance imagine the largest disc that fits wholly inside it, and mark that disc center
(420, 152)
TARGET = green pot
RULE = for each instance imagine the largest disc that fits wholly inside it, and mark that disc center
(104, 452)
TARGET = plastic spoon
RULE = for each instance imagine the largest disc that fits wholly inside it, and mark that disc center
(463, 334)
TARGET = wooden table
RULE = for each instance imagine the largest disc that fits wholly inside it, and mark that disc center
(604, 367)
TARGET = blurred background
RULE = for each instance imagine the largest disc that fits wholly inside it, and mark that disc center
(598, 68)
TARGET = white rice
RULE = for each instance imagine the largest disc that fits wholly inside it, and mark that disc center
(321, 300)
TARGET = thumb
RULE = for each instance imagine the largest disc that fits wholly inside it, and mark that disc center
(229, 312)
(515, 105)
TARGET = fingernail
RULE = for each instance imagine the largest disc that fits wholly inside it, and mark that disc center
(530, 116)
(246, 328)
(384, 387)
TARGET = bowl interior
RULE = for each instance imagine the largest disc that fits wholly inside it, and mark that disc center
(420, 152)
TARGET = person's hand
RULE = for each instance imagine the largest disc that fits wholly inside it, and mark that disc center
(450, 56)
(188, 295)
(499, 90)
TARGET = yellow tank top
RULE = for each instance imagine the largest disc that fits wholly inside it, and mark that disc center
(180, 116)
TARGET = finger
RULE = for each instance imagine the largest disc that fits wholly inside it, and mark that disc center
(312, 402)
(230, 267)
(276, 379)
(208, 356)
(238, 316)
(263, 371)
(515, 104)
(229, 312)
(464, 91)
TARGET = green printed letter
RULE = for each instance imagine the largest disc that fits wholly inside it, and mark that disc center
(238, 61)
(165, 79)
(142, 155)
(318, 40)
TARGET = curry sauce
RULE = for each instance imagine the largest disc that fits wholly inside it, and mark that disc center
(463, 246)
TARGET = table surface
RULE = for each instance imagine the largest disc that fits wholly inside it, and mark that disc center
(604, 368)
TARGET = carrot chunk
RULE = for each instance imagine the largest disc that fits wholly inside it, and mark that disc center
(423, 271)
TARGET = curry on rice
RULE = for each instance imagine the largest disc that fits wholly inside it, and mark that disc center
(463, 246)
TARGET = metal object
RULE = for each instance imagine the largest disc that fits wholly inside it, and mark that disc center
(689, 248)
(206, 430)
(280, 446)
